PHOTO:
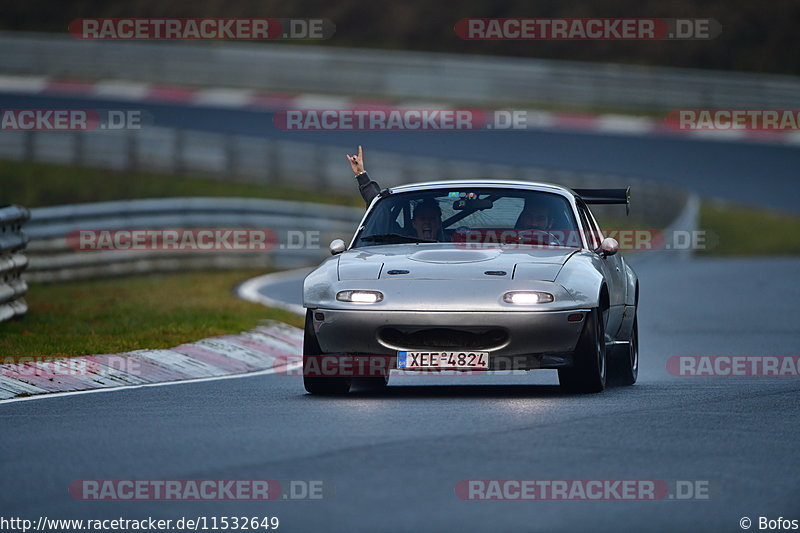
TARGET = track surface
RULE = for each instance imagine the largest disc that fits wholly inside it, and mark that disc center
(746, 172)
(394, 460)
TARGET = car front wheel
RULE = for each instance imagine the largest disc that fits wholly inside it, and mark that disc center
(588, 373)
(316, 384)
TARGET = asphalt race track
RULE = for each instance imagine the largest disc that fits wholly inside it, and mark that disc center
(391, 462)
(739, 171)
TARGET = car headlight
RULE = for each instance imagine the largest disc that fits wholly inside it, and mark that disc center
(527, 297)
(360, 297)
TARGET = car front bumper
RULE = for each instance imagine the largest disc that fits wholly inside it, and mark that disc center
(514, 340)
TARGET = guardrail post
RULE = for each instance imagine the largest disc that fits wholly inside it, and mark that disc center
(179, 165)
(274, 162)
(320, 169)
(78, 150)
(132, 150)
(231, 163)
(29, 148)
(12, 261)
(407, 169)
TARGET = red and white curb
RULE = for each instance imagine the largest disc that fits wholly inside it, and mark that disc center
(238, 98)
(254, 351)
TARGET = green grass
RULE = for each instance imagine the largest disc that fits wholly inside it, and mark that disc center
(118, 315)
(740, 230)
(41, 184)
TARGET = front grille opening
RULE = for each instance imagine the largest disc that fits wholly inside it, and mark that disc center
(444, 338)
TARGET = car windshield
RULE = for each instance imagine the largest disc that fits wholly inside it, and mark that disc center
(474, 216)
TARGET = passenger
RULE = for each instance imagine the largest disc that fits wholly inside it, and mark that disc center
(535, 215)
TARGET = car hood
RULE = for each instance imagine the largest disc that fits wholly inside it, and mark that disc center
(447, 261)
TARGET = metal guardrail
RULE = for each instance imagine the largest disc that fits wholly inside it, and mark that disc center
(397, 74)
(12, 261)
(302, 230)
(244, 159)
(266, 161)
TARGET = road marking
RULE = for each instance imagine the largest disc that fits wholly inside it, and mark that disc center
(250, 290)
(264, 372)
(254, 352)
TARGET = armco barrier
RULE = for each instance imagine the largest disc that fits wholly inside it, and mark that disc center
(302, 232)
(255, 160)
(269, 161)
(12, 261)
(400, 75)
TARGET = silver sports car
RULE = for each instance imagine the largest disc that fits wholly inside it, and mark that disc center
(474, 275)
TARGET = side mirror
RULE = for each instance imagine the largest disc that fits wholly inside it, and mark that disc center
(609, 246)
(338, 246)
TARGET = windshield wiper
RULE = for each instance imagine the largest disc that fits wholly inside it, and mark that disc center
(394, 238)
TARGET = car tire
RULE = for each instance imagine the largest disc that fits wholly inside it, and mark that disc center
(588, 373)
(376, 384)
(328, 385)
(624, 366)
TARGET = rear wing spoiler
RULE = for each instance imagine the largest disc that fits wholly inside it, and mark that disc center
(606, 196)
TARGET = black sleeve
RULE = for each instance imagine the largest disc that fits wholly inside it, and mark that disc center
(368, 188)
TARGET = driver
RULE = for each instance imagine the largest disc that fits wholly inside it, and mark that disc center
(368, 188)
(427, 219)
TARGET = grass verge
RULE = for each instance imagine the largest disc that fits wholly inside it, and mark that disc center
(43, 184)
(741, 230)
(122, 314)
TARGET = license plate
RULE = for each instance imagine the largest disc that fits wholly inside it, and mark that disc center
(423, 360)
